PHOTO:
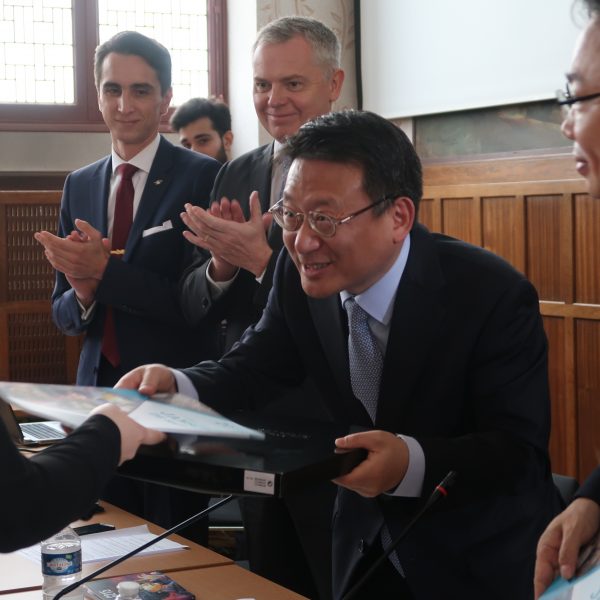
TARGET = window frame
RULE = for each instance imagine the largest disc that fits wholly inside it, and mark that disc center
(84, 114)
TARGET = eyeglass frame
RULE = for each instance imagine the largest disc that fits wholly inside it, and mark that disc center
(565, 99)
(334, 222)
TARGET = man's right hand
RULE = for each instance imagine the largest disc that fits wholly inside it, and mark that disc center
(560, 544)
(149, 380)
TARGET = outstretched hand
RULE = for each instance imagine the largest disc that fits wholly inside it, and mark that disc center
(559, 546)
(133, 435)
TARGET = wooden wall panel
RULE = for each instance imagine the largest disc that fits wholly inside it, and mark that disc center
(563, 443)
(550, 230)
(587, 249)
(459, 219)
(545, 263)
(503, 226)
(587, 334)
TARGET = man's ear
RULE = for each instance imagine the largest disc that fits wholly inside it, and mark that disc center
(227, 140)
(166, 100)
(403, 214)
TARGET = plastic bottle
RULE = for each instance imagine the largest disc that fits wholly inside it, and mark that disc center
(128, 590)
(61, 564)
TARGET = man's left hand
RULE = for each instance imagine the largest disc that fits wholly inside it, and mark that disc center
(382, 470)
(242, 244)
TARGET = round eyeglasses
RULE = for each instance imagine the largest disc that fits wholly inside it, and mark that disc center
(566, 100)
(320, 223)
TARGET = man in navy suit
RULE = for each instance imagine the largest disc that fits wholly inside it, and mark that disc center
(446, 369)
(134, 287)
(559, 547)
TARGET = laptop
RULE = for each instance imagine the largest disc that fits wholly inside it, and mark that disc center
(29, 434)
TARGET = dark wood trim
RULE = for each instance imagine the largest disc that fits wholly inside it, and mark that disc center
(25, 181)
(218, 84)
(501, 170)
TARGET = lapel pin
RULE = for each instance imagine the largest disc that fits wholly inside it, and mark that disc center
(158, 182)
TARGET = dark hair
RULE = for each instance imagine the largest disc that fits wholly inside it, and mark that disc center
(132, 42)
(323, 41)
(388, 159)
(197, 108)
(593, 7)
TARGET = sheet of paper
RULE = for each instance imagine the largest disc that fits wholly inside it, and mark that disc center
(108, 545)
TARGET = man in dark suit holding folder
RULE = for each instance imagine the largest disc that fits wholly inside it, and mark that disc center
(434, 347)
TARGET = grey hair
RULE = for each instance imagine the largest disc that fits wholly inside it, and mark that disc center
(323, 41)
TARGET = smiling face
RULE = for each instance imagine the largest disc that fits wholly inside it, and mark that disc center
(201, 136)
(131, 102)
(290, 87)
(362, 250)
(582, 124)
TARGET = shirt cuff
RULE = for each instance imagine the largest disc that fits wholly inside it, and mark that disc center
(184, 384)
(218, 287)
(86, 313)
(412, 484)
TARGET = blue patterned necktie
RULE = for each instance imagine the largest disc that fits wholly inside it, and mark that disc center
(365, 358)
(366, 366)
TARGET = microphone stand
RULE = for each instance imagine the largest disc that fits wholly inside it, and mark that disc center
(440, 490)
(119, 560)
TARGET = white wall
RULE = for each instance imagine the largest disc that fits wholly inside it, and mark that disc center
(241, 31)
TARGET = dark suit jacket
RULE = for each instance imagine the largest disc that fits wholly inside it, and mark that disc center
(56, 486)
(242, 304)
(590, 488)
(142, 287)
(465, 373)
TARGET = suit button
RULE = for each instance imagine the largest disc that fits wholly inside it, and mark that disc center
(205, 303)
(363, 546)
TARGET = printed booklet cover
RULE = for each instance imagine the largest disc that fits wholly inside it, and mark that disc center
(153, 586)
(171, 413)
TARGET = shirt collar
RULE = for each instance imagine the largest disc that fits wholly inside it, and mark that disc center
(142, 160)
(378, 300)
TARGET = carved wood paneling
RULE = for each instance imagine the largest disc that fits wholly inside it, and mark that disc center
(31, 347)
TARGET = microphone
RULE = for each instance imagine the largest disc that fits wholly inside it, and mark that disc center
(440, 490)
(135, 551)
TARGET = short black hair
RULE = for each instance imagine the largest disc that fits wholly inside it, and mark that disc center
(593, 7)
(387, 157)
(197, 108)
(136, 44)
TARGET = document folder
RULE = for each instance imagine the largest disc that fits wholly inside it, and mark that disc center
(294, 455)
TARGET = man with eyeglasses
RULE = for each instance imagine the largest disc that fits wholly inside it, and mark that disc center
(296, 77)
(559, 546)
(432, 347)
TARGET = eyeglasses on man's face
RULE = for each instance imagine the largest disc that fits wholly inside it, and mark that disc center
(324, 225)
(566, 100)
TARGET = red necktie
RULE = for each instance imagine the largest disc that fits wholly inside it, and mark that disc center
(123, 218)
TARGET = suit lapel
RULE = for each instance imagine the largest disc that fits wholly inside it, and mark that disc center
(264, 166)
(158, 181)
(99, 188)
(418, 314)
(327, 318)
